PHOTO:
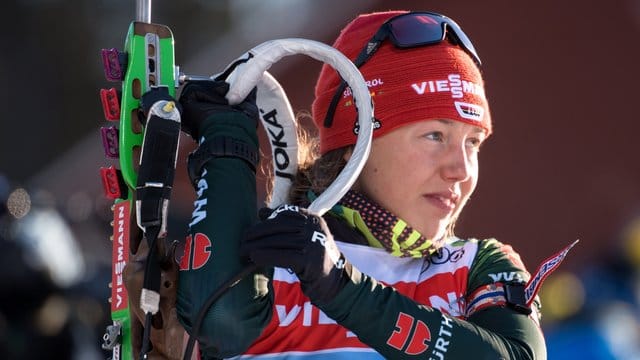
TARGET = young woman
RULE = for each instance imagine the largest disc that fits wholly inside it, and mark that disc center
(382, 275)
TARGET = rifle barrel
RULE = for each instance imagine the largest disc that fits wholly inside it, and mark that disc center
(143, 10)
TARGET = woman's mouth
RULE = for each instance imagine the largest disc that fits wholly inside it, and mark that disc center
(443, 201)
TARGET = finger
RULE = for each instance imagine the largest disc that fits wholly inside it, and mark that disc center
(269, 228)
(264, 213)
(205, 91)
(275, 257)
(279, 239)
(290, 216)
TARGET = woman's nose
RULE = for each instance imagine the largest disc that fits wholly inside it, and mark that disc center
(457, 165)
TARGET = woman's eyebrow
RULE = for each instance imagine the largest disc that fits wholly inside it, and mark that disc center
(476, 129)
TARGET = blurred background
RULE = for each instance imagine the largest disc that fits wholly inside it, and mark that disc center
(562, 79)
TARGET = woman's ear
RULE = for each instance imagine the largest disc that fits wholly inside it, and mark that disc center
(347, 154)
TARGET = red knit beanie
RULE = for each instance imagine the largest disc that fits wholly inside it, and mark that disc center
(438, 81)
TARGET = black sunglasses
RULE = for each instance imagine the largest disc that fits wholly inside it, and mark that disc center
(407, 31)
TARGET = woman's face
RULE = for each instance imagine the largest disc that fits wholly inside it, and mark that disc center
(424, 172)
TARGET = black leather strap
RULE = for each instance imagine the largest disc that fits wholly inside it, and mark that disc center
(220, 147)
(514, 293)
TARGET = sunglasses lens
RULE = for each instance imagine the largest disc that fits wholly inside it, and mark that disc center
(418, 29)
(415, 30)
(464, 40)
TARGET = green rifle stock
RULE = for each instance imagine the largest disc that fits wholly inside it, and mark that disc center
(147, 61)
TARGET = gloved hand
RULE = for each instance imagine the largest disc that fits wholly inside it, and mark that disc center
(201, 99)
(291, 237)
(152, 96)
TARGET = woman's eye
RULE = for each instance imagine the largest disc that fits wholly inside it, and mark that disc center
(474, 143)
(436, 136)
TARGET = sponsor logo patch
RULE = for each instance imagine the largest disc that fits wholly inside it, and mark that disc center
(469, 111)
(452, 84)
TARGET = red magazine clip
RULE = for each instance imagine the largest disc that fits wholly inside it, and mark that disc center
(112, 183)
(110, 104)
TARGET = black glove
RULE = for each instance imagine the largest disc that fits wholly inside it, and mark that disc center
(201, 99)
(290, 237)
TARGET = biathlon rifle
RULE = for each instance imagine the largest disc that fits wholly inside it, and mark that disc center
(144, 150)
